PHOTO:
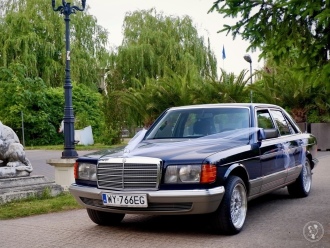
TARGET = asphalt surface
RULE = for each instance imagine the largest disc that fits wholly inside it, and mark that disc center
(274, 220)
(38, 159)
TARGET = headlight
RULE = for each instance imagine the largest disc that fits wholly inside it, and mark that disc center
(85, 171)
(205, 173)
(183, 174)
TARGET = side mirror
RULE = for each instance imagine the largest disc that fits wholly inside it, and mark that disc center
(268, 133)
(261, 134)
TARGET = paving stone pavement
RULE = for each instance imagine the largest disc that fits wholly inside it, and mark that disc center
(273, 221)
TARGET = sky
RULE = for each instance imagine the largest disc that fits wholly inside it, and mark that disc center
(110, 15)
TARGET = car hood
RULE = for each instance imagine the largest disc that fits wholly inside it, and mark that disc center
(175, 150)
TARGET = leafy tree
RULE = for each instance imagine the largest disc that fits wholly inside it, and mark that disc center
(228, 89)
(147, 101)
(153, 42)
(159, 55)
(42, 107)
(284, 29)
(115, 117)
(24, 95)
(32, 63)
(283, 86)
(89, 49)
(33, 34)
(88, 110)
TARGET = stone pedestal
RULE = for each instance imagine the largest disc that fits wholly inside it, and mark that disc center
(23, 187)
(64, 174)
(9, 172)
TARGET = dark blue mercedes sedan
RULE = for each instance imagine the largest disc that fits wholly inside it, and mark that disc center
(206, 159)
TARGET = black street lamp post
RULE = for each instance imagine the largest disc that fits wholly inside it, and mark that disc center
(69, 144)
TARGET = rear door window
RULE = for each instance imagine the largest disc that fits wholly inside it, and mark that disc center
(282, 123)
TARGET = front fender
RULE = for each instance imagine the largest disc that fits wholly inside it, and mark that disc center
(239, 170)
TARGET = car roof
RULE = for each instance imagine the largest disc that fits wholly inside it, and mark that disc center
(212, 105)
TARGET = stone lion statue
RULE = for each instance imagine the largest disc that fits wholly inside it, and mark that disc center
(12, 154)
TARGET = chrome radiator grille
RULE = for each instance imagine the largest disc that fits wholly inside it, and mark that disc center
(129, 173)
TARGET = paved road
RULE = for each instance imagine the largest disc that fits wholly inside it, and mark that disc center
(38, 159)
(274, 220)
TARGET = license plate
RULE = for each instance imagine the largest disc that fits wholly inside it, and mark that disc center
(125, 200)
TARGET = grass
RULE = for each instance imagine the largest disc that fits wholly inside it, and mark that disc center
(38, 205)
(45, 203)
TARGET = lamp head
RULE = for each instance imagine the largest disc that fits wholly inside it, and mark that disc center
(247, 58)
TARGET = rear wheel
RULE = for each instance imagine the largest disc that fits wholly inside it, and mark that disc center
(229, 218)
(105, 218)
(302, 186)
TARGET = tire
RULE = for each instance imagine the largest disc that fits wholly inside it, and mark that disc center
(229, 218)
(104, 218)
(303, 184)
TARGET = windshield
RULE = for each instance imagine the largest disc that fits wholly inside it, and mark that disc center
(199, 122)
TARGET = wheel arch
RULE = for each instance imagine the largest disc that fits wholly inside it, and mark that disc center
(310, 159)
(240, 171)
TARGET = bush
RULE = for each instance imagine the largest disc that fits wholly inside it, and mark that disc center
(41, 108)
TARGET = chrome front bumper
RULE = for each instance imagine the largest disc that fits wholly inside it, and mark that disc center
(160, 202)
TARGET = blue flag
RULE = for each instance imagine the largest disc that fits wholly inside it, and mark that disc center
(223, 52)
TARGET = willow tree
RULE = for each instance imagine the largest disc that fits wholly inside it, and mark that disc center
(153, 43)
(33, 34)
(154, 47)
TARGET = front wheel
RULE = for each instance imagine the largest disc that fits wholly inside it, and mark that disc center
(105, 218)
(229, 218)
(302, 186)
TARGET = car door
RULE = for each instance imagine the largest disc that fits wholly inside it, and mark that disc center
(271, 154)
(290, 143)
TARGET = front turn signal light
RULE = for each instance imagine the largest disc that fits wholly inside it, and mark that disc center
(209, 173)
(75, 170)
